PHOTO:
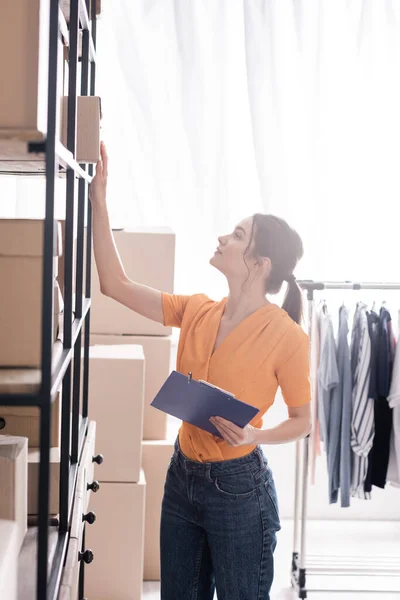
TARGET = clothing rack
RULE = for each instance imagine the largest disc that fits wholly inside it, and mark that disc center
(329, 565)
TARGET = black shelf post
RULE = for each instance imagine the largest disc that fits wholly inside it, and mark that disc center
(47, 308)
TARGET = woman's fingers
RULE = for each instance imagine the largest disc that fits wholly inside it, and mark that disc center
(104, 158)
(234, 435)
(226, 433)
(96, 184)
(229, 425)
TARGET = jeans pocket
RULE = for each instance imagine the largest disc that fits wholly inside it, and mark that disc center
(236, 485)
(272, 495)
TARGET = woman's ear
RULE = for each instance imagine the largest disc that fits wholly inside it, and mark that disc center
(264, 263)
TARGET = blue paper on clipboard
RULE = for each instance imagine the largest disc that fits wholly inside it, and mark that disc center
(196, 401)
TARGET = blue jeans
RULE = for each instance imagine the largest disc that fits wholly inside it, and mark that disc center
(218, 529)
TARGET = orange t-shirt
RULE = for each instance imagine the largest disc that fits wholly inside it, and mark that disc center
(266, 350)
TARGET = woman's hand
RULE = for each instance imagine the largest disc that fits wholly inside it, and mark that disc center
(98, 186)
(234, 435)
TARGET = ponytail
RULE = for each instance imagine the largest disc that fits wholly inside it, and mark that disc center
(274, 239)
(293, 303)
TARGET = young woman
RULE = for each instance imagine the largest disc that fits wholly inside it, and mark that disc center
(219, 512)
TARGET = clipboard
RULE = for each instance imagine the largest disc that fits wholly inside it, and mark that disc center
(196, 401)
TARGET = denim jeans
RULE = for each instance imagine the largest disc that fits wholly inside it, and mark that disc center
(218, 529)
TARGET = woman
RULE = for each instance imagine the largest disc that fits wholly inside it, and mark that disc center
(219, 512)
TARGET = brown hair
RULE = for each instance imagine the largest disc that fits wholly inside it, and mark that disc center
(274, 239)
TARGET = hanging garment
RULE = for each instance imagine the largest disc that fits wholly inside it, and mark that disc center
(328, 377)
(339, 422)
(383, 413)
(362, 425)
(393, 474)
(373, 328)
(315, 446)
(340, 454)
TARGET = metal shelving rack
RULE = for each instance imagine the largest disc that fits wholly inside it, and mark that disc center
(82, 17)
(303, 564)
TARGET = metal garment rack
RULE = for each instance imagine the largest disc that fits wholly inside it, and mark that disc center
(82, 18)
(324, 565)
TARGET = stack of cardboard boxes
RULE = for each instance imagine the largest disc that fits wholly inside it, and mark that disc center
(21, 264)
(129, 362)
(24, 35)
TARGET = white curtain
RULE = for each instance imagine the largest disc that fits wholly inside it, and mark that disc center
(216, 109)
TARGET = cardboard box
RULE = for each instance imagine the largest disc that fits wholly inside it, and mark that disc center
(9, 551)
(21, 267)
(116, 384)
(24, 56)
(24, 51)
(65, 71)
(33, 481)
(27, 381)
(157, 354)
(117, 541)
(65, 6)
(156, 457)
(25, 237)
(148, 256)
(88, 117)
(24, 421)
(61, 261)
(13, 482)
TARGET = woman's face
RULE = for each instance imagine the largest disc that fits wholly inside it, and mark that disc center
(229, 257)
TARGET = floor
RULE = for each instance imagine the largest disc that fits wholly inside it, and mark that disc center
(347, 543)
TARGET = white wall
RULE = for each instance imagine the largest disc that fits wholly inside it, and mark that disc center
(7, 197)
(31, 198)
(25, 197)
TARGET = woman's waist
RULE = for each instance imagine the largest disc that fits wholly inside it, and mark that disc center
(232, 460)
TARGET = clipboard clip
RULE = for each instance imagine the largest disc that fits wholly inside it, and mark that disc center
(189, 377)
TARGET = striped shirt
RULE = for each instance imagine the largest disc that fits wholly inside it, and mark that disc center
(362, 425)
(345, 401)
